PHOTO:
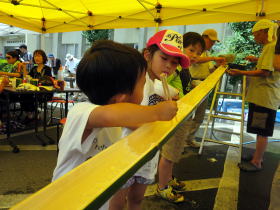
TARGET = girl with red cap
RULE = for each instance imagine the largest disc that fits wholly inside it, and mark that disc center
(163, 54)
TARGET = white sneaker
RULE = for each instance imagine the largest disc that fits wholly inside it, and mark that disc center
(193, 144)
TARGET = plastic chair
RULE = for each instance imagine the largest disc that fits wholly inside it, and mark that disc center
(54, 103)
(62, 123)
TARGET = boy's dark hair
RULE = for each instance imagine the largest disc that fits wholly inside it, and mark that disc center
(42, 53)
(14, 54)
(23, 46)
(109, 68)
(193, 38)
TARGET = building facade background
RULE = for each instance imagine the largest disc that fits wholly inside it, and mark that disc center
(73, 42)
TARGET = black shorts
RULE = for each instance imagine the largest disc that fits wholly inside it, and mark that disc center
(261, 120)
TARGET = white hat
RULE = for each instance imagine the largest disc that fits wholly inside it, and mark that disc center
(69, 56)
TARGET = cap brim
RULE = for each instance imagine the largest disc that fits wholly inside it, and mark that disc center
(214, 39)
(174, 51)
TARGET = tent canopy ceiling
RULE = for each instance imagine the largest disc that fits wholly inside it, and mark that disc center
(49, 16)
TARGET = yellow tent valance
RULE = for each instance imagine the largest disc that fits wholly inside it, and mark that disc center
(49, 16)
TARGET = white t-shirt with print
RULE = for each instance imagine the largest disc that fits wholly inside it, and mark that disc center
(71, 151)
(149, 169)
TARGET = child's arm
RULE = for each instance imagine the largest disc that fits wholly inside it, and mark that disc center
(251, 58)
(130, 115)
(207, 59)
(258, 72)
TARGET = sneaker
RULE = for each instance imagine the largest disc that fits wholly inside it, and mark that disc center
(170, 195)
(193, 144)
(177, 185)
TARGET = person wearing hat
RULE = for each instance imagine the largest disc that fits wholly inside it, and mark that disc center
(203, 68)
(199, 72)
(163, 53)
(54, 63)
(71, 64)
(263, 94)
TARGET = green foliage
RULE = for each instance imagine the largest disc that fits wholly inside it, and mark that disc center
(3, 62)
(94, 35)
(241, 44)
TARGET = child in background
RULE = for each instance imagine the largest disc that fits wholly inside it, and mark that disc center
(112, 76)
(169, 187)
(163, 54)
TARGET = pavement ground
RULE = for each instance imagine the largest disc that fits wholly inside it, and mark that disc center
(213, 179)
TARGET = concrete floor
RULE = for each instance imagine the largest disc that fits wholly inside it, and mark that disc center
(211, 184)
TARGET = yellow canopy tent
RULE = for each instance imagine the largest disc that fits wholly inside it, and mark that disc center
(49, 16)
(74, 190)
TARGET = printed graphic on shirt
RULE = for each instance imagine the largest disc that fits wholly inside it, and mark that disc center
(154, 99)
(98, 147)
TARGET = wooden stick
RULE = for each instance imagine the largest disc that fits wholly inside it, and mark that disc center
(163, 78)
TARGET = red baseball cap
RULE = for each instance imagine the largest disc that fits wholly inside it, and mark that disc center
(171, 43)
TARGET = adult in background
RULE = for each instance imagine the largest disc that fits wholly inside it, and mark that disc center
(274, 197)
(263, 93)
(26, 57)
(199, 72)
(54, 63)
(14, 68)
(42, 72)
(71, 64)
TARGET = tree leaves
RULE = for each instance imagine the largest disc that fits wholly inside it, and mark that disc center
(241, 43)
(94, 35)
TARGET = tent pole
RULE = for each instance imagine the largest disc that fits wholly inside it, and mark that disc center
(158, 19)
(262, 6)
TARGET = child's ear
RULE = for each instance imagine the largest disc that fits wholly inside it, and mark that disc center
(147, 55)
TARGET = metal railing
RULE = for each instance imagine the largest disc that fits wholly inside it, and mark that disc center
(92, 183)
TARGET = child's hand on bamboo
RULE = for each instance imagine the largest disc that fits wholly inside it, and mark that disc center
(166, 110)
